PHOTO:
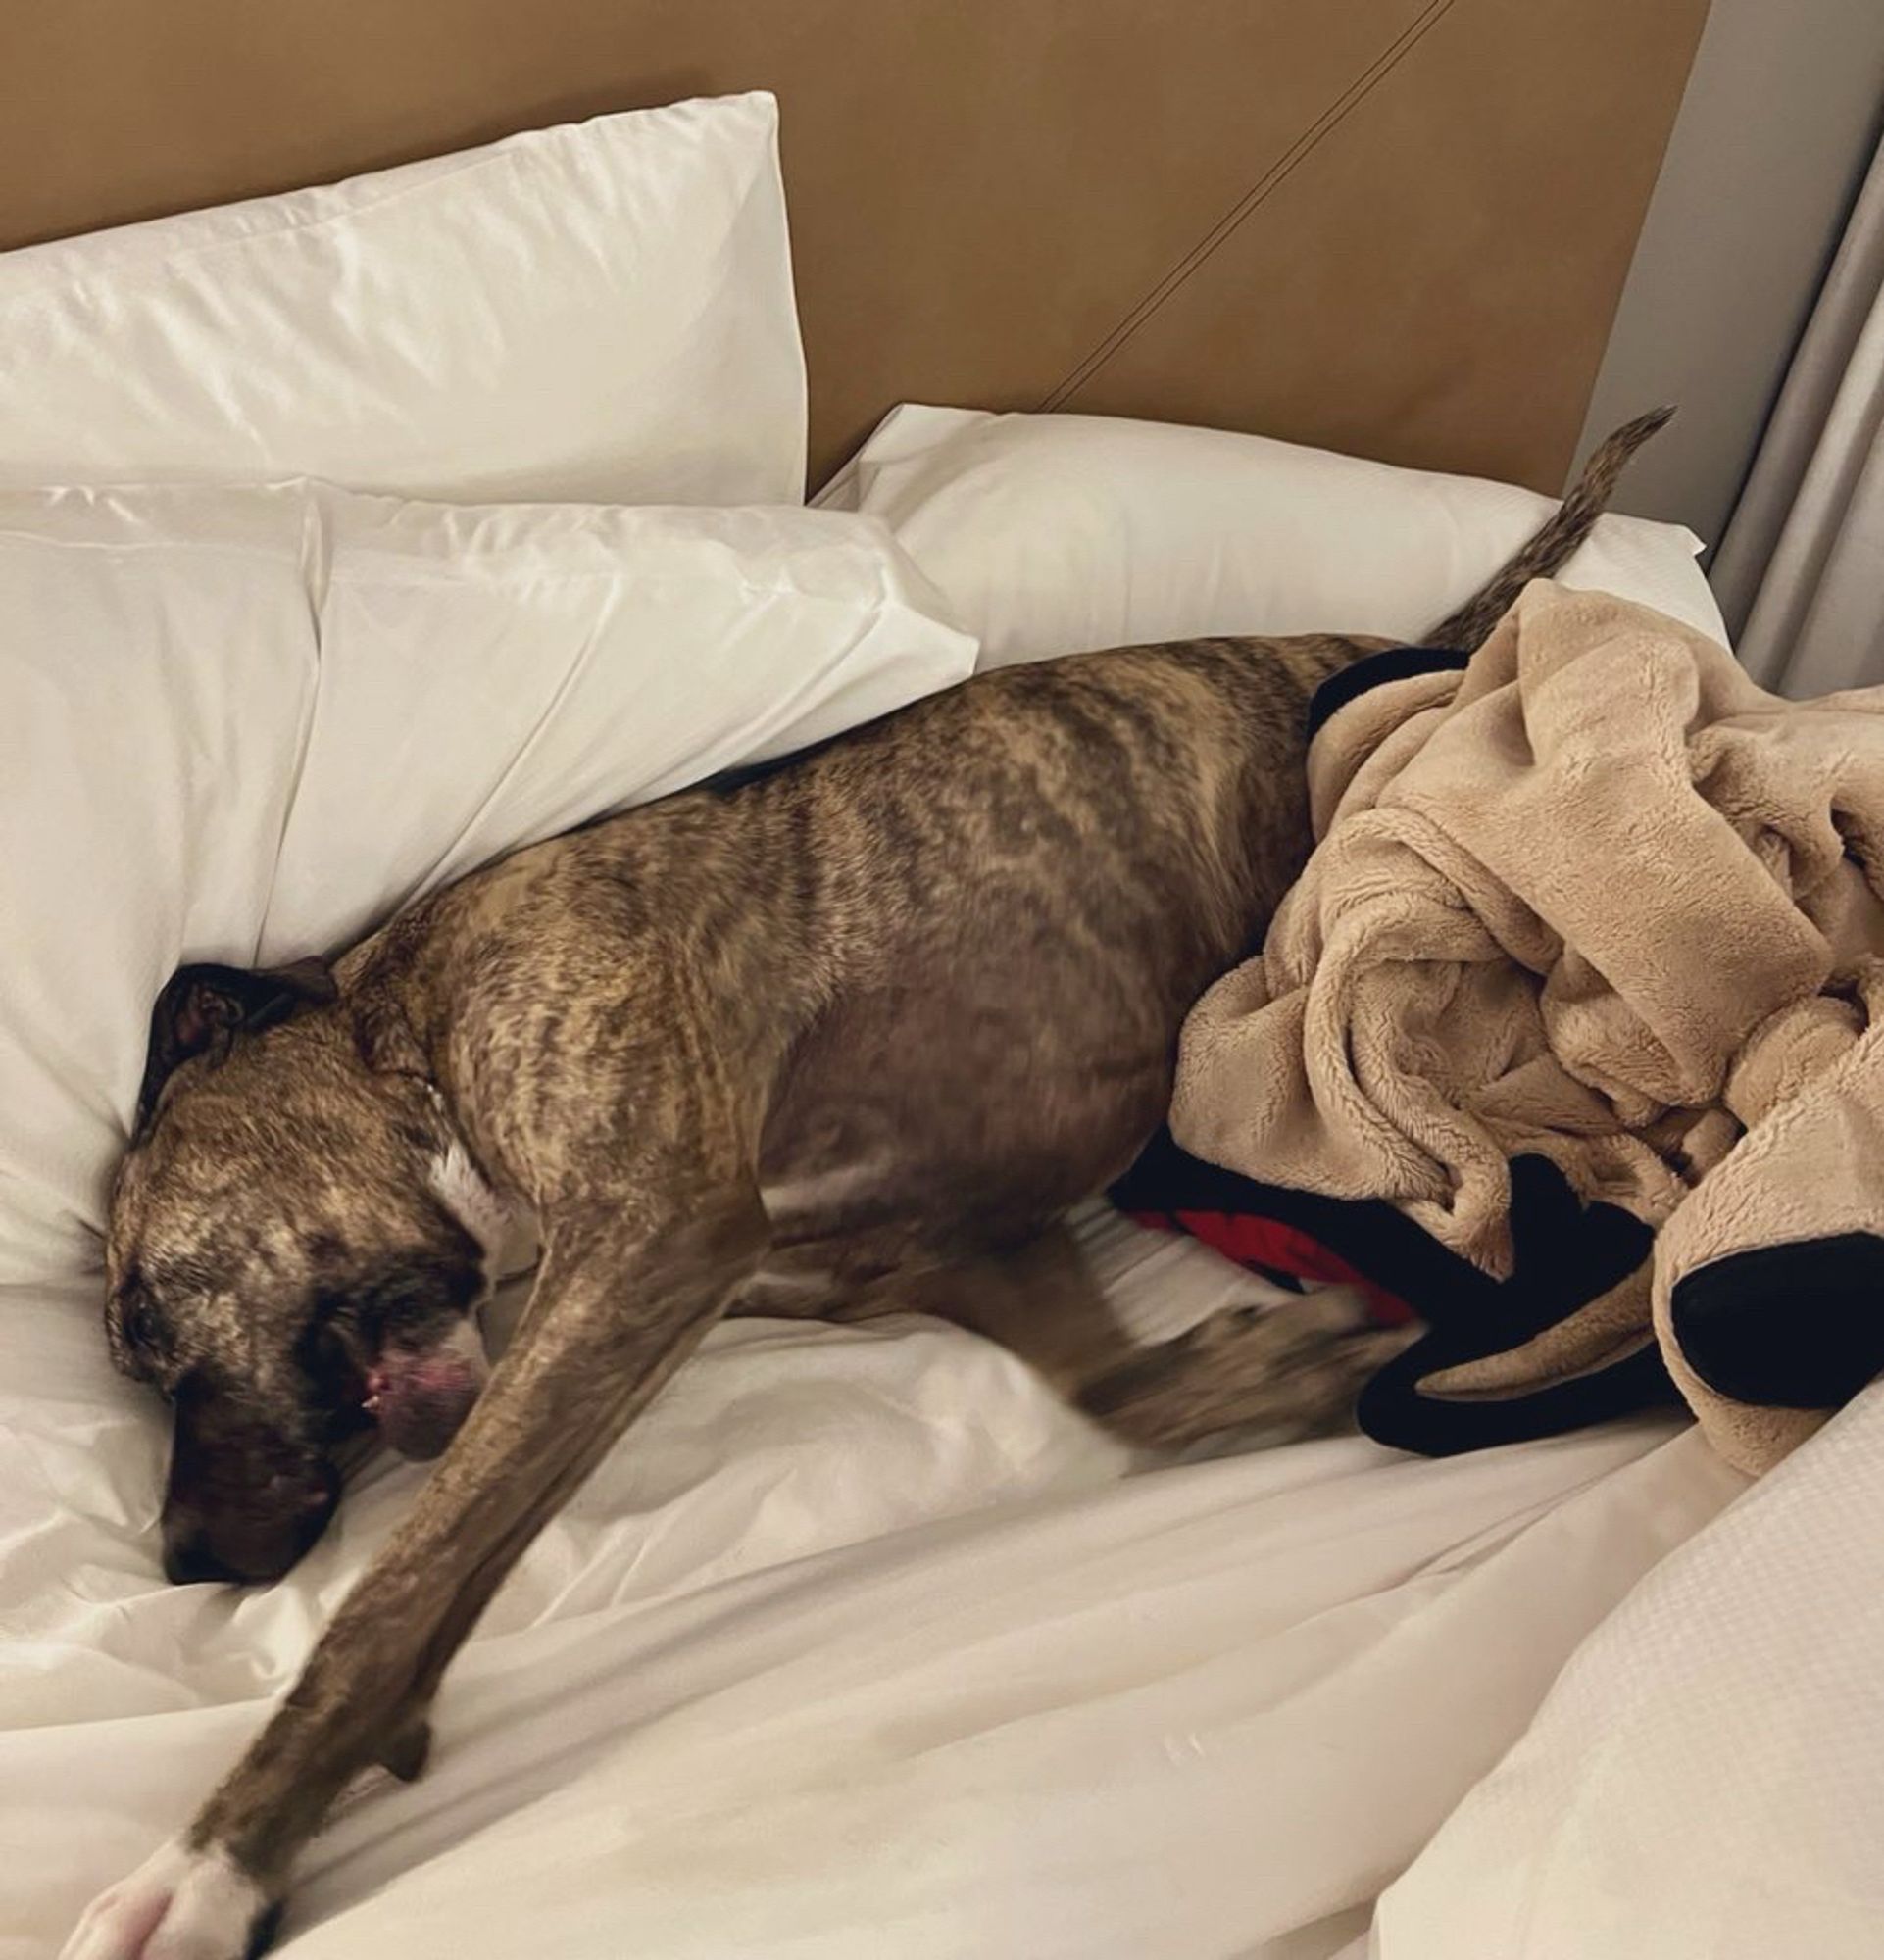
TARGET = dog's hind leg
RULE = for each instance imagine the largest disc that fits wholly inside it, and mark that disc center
(616, 1310)
(1280, 1372)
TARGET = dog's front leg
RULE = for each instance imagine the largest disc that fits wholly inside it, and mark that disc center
(611, 1320)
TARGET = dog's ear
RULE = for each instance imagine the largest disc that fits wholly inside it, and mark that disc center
(204, 1008)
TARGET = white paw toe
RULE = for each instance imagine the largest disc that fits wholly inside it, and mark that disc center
(179, 1904)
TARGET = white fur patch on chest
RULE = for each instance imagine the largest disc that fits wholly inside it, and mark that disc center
(506, 1231)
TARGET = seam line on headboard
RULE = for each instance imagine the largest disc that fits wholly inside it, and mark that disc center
(1272, 179)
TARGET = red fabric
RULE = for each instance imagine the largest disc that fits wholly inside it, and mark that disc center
(1271, 1246)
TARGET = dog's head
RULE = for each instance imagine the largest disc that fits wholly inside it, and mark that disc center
(282, 1263)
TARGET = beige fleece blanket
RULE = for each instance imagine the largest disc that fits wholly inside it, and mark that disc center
(1597, 897)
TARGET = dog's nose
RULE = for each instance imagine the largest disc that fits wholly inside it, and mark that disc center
(242, 1548)
(192, 1559)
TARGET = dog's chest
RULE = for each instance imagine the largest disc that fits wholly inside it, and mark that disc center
(507, 1231)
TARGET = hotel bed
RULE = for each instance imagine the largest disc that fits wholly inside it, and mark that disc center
(860, 1642)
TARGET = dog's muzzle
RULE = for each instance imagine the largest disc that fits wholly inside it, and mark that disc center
(251, 1543)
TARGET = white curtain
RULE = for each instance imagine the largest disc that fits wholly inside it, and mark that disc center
(1800, 574)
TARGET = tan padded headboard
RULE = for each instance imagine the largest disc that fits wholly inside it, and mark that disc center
(1393, 227)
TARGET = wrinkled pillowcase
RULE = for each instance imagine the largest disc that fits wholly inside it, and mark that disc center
(600, 311)
(246, 725)
(1050, 534)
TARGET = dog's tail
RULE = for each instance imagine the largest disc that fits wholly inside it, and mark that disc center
(1545, 551)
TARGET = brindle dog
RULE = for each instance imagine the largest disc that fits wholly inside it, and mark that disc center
(849, 1036)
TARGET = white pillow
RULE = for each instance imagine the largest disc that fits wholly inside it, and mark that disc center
(1050, 534)
(600, 311)
(244, 725)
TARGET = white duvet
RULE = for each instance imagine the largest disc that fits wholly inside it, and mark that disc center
(859, 1645)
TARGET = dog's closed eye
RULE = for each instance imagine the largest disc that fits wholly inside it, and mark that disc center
(134, 1329)
(333, 1356)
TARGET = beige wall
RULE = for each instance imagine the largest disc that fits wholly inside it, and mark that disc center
(1780, 116)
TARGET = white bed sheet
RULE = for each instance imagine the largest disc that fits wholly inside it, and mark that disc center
(859, 1645)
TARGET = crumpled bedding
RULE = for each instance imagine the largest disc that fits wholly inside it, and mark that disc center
(860, 1642)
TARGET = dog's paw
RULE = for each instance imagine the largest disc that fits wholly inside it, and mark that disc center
(179, 1904)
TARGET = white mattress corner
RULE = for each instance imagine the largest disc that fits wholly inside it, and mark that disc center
(1706, 1779)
